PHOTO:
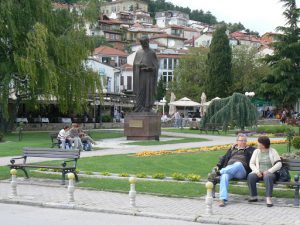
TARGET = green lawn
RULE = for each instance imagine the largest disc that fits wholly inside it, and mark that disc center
(12, 146)
(176, 141)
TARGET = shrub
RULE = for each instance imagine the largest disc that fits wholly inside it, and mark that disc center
(296, 142)
(193, 177)
(105, 173)
(88, 173)
(124, 175)
(1, 137)
(106, 118)
(178, 176)
(42, 169)
(274, 129)
(158, 176)
(141, 175)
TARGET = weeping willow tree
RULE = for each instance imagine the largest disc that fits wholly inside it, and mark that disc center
(234, 110)
(42, 51)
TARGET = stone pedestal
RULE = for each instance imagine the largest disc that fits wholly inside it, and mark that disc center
(142, 126)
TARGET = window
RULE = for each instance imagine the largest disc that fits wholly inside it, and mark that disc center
(165, 64)
(129, 83)
(122, 80)
(170, 64)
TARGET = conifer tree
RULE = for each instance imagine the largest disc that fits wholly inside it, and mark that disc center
(283, 84)
(219, 78)
(235, 110)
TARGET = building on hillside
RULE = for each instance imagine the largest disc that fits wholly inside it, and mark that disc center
(138, 30)
(110, 56)
(204, 40)
(111, 30)
(268, 38)
(167, 18)
(246, 39)
(170, 41)
(117, 6)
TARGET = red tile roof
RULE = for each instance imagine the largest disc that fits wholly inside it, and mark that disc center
(105, 50)
(127, 67)
(111, 21)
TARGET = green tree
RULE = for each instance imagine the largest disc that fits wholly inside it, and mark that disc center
(219, 80)
(248, 70)
(236, 110)
(190, 74)
(161, 89)
(283, 84)
(41, 57)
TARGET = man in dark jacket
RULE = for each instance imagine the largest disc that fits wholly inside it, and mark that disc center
(234, 164)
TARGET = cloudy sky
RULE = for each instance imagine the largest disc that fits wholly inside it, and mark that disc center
(258, 15)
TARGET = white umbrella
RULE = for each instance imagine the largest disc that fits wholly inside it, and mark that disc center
(186, 102)
(172, 108)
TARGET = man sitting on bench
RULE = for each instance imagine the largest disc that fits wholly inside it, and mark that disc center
(63, 137)
(234, 164)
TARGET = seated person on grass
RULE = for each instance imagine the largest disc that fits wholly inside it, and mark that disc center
(234, 164)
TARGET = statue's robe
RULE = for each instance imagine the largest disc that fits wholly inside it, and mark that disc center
(145, 80)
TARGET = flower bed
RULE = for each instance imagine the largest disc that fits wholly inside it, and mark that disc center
(193, 150)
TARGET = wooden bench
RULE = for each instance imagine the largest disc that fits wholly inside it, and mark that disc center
(211, 127)
(291, 164)
(69, 164)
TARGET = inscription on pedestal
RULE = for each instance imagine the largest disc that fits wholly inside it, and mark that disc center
(136, 123)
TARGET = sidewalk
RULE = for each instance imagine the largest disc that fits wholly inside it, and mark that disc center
(45, 193)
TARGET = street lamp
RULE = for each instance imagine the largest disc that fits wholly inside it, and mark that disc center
(163, 102)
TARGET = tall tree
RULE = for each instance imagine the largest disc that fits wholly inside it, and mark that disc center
(41, 57)
(248, 70)
(190, 74)
(283, 84)
(161, 89)
(219, 80)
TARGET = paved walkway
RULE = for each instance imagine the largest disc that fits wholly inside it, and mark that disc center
(237, 212)
(118, 146)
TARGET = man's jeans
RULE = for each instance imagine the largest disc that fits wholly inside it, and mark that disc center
(235, 170)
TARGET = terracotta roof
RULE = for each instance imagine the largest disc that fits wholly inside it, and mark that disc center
(174, 56)
(110, 21)
(190, 29)
(167, 36)
(105, 50)
(127, 67)
(175, 26)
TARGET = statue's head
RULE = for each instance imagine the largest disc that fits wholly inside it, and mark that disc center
(144, 40)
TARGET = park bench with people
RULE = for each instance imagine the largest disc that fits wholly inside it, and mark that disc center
(56, 142)
(68, 165)
(214, 127)
(290, 164)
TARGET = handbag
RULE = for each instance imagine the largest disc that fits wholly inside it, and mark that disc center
(282, 174)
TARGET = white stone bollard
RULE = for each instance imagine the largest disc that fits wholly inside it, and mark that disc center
(209, 199)
(13, 183)
(71, 187)
(132, 192)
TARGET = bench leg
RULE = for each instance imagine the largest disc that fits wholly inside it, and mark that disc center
(25, 172)
(296, 199)
(76, 176)
(63, 177)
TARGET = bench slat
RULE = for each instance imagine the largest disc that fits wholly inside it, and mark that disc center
(44, 166)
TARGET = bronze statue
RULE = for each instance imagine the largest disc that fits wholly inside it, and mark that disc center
(145, 71)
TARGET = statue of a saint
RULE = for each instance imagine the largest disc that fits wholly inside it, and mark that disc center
(145, 71)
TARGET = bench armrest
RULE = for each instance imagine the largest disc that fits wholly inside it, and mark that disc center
(13, 160)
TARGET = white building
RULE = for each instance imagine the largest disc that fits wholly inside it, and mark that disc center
(204, 40)
(110, 76)
(166, 18)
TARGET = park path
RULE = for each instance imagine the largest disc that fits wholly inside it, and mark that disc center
(118, 146)
(52, 195)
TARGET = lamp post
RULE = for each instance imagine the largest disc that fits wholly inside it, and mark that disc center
(163, 102)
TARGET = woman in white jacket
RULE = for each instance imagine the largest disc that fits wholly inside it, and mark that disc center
(264, 162)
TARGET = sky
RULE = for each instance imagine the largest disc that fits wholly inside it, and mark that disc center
(257, 15)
